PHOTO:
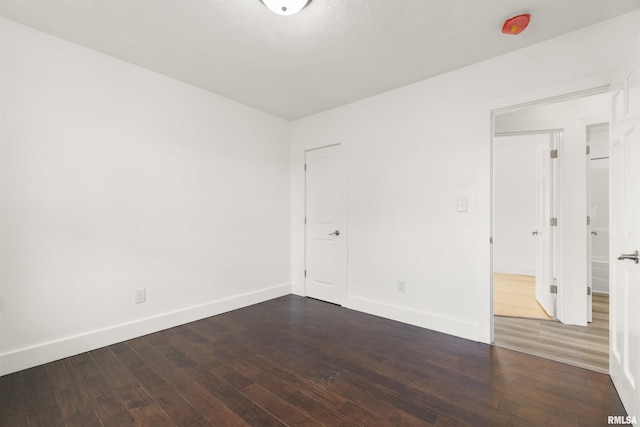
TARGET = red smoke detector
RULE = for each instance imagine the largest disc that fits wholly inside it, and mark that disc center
(516, 25)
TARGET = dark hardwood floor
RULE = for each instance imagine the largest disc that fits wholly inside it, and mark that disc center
(302, 362)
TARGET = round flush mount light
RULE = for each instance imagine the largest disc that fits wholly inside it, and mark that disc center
(285, 7)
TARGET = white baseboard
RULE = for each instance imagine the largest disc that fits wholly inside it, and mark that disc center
(448, 325)
(54, 350)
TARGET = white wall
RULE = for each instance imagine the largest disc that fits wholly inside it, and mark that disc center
(413, 151)
(514, 247)
(115, 178)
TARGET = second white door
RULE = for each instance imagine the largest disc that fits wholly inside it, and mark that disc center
(326, 224)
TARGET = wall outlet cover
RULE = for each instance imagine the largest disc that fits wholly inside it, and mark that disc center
(141, 296)
(462, 204)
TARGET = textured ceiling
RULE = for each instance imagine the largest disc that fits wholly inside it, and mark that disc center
(332, 53)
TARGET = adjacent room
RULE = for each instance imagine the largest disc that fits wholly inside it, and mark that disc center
(287, 212)
(529, 252)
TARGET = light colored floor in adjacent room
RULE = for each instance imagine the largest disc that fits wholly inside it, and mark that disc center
(584, 347)
(515, 296)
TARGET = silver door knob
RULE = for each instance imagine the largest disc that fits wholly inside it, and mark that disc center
(335, 233)
(633, 257)
(534, 233)
(595, 233)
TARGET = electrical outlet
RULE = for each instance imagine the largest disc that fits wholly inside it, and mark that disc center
(141, 296)
(461, 204)
(402, 286)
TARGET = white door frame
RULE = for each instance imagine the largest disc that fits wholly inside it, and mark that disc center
(505, 108)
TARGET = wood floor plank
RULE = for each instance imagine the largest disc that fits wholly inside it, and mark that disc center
(47, 417)
(74, 406)
(104, 401)
(61, 373)
(13, 407)
(38, 391)
(208, 405)
(308, 388)
(171, 402)
(305, 402)
(279, 387)
(298, 361)
(138, 402)
(143, 409)
(234, 399)
(280, 408)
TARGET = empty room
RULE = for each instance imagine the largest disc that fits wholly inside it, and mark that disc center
(290, 212)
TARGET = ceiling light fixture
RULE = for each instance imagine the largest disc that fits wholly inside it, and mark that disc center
(285, 7)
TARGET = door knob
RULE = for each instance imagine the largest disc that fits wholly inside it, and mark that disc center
(632, 257)
(595, 233)
(535, 233)
(335, 233)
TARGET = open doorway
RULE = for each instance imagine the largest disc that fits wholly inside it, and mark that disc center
(524, 251)
(548, 249)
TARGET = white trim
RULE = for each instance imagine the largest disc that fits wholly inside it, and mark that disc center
(54, 350)
(524, 132)
(564, 96)
(423, 319)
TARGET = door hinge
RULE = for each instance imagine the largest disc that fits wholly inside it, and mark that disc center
(305, 220)
(588, 150)
(305, 273)
(553, 289)
(553, 154)
(305, 167)
(588, 220)
(553, 222)
(491, 240)
(588, 290)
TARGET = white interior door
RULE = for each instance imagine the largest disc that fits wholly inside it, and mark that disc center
(543, 232)
(624, 320)
(326, 220)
